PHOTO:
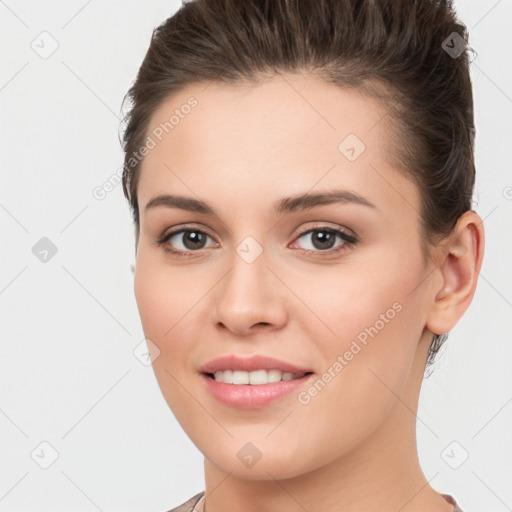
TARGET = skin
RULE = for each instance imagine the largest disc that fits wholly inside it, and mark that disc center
(353, 446)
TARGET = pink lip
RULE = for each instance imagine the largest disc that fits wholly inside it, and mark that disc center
(249, 364)
(249, 396)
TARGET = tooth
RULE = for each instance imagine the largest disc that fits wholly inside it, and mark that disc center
(240, 377)
(258, 377)
(274, 375)
(287, 376)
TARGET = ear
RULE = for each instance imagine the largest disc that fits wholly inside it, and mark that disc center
(459, 261)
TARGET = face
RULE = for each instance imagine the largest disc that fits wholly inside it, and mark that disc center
(335, 286)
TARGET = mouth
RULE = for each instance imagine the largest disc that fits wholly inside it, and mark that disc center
(253, 382)
(253, 390)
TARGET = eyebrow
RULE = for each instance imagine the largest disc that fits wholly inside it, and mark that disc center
(285, 205)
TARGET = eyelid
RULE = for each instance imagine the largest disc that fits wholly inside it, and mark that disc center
(319, 225)
(295, 233)
(185, 227)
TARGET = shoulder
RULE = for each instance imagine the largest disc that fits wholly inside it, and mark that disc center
(189, 505)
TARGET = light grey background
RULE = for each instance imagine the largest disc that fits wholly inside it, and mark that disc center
(68, 328)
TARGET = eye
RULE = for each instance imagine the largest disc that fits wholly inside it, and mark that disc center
(184, 241)
(323, 239)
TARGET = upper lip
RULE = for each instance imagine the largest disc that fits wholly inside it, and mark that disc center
(248, 364)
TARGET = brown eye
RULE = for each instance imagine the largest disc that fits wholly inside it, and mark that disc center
(184, 241)
(324, 240)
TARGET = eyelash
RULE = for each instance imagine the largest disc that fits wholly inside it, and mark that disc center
(348, 240)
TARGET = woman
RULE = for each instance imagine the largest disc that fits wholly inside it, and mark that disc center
(300, 176)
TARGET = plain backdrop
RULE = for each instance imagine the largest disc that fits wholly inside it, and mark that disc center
(73, 395)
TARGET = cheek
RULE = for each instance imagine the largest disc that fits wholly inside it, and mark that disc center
(151, 295)
(163, 295)
(363, 302)
(165, 305)
(371, 323)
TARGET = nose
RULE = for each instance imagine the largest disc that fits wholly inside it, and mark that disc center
(250, 298)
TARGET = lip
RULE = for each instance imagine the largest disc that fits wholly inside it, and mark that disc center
(249, 364)
(249, 396)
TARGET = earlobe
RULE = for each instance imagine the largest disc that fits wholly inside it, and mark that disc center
(459, 263)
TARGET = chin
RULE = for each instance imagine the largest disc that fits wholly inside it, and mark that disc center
(273, 468)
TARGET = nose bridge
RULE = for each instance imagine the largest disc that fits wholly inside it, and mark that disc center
(247, 282)
(249, 293)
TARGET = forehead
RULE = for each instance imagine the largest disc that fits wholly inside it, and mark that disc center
(283, 111)
(287, 132)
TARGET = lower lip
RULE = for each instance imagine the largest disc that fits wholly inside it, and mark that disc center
(252, 396)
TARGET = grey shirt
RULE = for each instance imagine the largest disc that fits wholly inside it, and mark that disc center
(189, 505)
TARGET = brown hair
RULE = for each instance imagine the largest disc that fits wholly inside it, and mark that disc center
(410, 54)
